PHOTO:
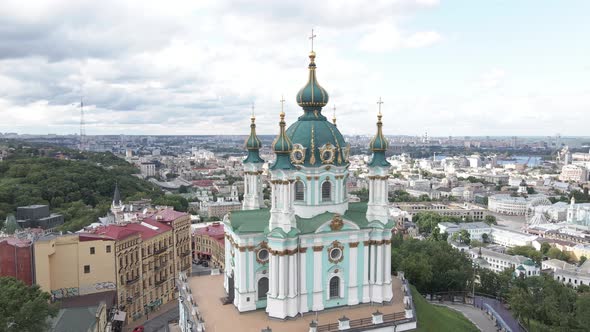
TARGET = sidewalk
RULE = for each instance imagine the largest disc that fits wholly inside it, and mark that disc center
(476, 316)
(163, 309)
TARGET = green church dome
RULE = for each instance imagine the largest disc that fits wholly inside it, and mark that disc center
(312, 95)
(379, 145)
(282, 147)
(315, 140)
(253, 144)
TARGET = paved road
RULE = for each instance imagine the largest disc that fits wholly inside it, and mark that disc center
(501, 310)
(476, 316)
(160, 323)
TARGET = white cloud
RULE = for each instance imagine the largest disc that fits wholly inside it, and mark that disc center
(493, 78)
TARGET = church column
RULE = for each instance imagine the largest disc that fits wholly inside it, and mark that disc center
(252, 273)
(387, 257)
(274, 275)
(292, 275)
(378, 293)
(352, 274)
(282, 275)
(243, 262)
(366, 271)
(318, 300)
(303, 280)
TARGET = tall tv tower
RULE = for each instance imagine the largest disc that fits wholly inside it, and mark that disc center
(83, 142)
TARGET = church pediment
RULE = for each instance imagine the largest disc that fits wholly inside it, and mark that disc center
(337, 223)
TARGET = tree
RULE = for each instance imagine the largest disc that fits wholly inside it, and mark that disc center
(23, 308)
(582, 260)
(583, 310)
(485, 237)
(545, 246)
(464, 237)
(490, 220)
(527, 251)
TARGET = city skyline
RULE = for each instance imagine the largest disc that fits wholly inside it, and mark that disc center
(459, 69)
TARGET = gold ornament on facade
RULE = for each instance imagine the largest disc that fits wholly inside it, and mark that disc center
(312, 150)
(298, 154)
(337, 223)
(336, 252)
(327, 153)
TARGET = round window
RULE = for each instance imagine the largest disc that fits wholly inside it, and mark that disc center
(263, 254)
(335, 254)
(327, 155)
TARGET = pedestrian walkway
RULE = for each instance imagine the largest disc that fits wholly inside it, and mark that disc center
(162, 310)
(476, 316)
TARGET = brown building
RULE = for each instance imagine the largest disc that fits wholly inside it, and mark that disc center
(209, 243)
(16, 259)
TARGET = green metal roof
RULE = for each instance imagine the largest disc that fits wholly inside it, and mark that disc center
(313, 131)
(256, 221)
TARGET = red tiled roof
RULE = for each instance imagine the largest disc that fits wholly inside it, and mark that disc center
(213, 230)
(147, 229)
(83, 237)
(16, 242)
(203, 183)
(117, 232)
(166, 215)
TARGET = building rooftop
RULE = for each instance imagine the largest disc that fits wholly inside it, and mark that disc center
(208, 290)
(167, 215)
(147, 229)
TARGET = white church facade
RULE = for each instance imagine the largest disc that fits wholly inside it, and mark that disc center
(312, 250)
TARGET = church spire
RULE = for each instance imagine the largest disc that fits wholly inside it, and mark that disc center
(312, 97)
(282, 146)
(253, 143)
(379, 143)
(117, 195)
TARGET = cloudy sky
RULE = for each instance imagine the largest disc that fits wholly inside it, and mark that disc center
(459, 67)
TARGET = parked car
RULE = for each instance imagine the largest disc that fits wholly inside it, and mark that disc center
(138, 329)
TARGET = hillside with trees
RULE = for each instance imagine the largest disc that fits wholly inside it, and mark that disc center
(78, 185)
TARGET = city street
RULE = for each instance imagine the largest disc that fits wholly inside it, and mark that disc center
(160, 323)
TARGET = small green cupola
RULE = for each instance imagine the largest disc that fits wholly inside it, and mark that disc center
(379, 144)
(312, 97)
(253, 144)
(282, 147)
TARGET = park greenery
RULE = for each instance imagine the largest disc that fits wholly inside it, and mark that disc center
(437, 318)
(77, 184)
(431, 266)
(539, 302)
(23, 308)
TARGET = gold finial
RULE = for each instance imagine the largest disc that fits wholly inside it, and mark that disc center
(252, 117)
(312, 37)
(334, 116)
(282, 106)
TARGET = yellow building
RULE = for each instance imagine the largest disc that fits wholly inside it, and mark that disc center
(76, 264)
(209, 243)
(181, 228)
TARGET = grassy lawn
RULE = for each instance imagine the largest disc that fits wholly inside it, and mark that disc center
(440, 319)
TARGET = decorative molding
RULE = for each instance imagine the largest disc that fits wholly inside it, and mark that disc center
(337, 223)
(318, 248)
(366, 243)
(353, 244)
(336, 245)
(302, 250)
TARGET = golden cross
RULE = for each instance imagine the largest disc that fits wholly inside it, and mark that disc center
(282, 102)
(380, 102)
(311, 38)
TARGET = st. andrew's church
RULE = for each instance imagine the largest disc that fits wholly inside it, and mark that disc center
(312, 250)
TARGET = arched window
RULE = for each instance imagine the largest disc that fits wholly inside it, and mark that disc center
(262, 288)
(327, 191)
(299, 191)
(334, 287)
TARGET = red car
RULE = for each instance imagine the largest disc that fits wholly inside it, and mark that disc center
(138, 329)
